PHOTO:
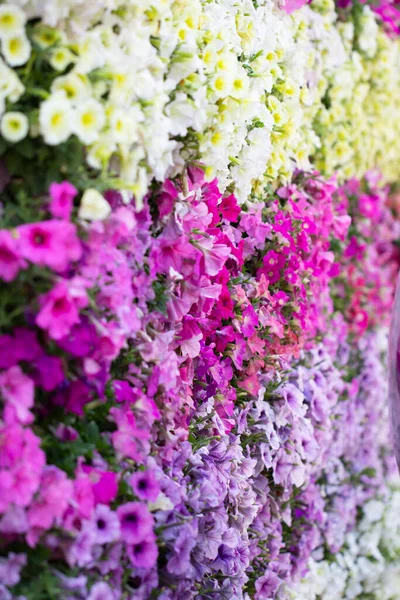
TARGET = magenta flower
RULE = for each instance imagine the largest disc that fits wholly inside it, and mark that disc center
(62, 199)
(17, 390)
(10, 260)
(105, 484)
(49, 372)
(143, 554)
(78, 395)
(136, 522)
(60, 308)
(53, 244)
(229, 208)
(145, 485)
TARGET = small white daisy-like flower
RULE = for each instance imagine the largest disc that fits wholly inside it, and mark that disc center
(16, 50)
(55, 119)
(74, 87)
(14, 126)
(89, 119)
(94, 207)
(12, 21)
(61, 58)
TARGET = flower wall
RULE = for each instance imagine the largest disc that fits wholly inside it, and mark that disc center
(198, 250)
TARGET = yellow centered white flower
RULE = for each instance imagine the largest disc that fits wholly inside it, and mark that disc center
(12, 21)
(123, 126)
(14, 126)
(89, 119)
(93, 207)
(45, 36)
(75, 87)
(55, 119)
(10, 85)
(16, 50)
(61, 58)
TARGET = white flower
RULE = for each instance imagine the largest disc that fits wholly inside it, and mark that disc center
(182, 113)
(240, 86)
(101, 151)
(61, 58)
(162, 503)
(10, 85)
(94, 207)
(74, 87)
(89, 119)
(123, 125)
(221, 84)
(55, 119)
(12, 21)
(367, 38)
(14, 126)
(16, 50)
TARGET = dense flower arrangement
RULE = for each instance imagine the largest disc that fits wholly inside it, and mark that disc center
(195, 256)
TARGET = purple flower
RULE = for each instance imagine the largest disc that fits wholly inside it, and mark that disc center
(144, 554)
(105, 525)
(145, 485)
(136, 522)
(101, 591)
(267, 585)
(10, 568)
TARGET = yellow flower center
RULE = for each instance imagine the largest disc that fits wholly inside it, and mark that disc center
(15, 45)
(87, 119)
(56, 119)
(7, 20)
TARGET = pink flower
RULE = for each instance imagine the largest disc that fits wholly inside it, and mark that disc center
(215, 255)
(10, 259)
(83, 498)
(53, 244)
(60, 308)
(190, 337)
(250, 321)
(21, 464)
(369, 205)
(136, 522)
(62, 199)
(144, 554)
(341, 224)
(18, 391)
(127, 438)
(55, 493)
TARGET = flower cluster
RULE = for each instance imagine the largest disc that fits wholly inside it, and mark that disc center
(248, 89)
(147, 355)
(370, 256)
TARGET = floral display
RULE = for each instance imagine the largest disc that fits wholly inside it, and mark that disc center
(199, 244)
